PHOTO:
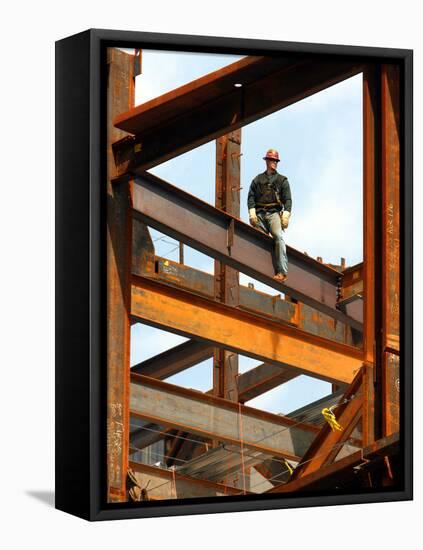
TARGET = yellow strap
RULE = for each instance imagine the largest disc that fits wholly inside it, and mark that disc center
(288, 465)
(331, 420)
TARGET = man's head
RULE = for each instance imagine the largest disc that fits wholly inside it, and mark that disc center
(272, 159)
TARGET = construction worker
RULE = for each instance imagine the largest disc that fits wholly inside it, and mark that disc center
(269, 209)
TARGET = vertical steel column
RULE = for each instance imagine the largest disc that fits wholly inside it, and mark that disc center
(390, 96)
(228, 154)
(120, 97)
(371, 148)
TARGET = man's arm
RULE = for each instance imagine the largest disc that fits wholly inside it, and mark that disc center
(286, 199)
(251, 202)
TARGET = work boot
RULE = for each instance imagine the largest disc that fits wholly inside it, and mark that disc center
(281, 277)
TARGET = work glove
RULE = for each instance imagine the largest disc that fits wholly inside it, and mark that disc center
(285, 219)
(253, 217)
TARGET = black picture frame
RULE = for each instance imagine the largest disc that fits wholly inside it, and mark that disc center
(81, 284)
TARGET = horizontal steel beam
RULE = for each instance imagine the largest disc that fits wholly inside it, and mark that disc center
(217, 418)
(174, 360)
(229, 328)
(251, 384)
(261, 379)
(180, 121)
(250, 299)
(167, 484)
(228, 239)
(145, 435)
(153, 113)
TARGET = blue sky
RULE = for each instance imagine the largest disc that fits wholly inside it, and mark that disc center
(320, 143)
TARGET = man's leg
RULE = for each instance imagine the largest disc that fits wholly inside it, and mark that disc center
(262, 223)
(281, 258)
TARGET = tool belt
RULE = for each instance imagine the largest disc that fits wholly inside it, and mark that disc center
(267, 206)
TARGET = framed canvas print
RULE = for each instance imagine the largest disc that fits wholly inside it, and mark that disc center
(233, 274)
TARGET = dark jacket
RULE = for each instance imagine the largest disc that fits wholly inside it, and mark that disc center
(270, 191)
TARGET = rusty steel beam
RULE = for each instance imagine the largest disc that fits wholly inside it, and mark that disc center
(390, 117)
(145, 435)
(352, 285)
(169, 125)
(227, 327)
(178, 485)
(216, 418)
(151, 114)
(120, 97)
(272, 306)
(174, 360)
(312, 412)
(371, 147)
(228, 239)
(345, 470)
(327, 444)
(143, 257)
(226, 279)
(261, 379)
(250, 384)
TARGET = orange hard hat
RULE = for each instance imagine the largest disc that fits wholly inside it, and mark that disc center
(272, 154)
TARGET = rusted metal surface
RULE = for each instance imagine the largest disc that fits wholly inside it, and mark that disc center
(174, 360)
(327, 444)
(223, 465)
(261, 379)
(169, 125)
(272, 306)
(390, 95)
(120, 97)
(179, 485)
(347, 470)
(352, 281)
(230, 328)
(144, 434)
(351, 295)
(217, 418)
(226, 279)
(194, 94)
(335, 323)
(318, 323)
(182, 451)
(371, 145)
(142, 249)
(200, 225)
(311, 412)
(391, 392)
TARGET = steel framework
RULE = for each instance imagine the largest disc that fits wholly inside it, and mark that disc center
(337, 324)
